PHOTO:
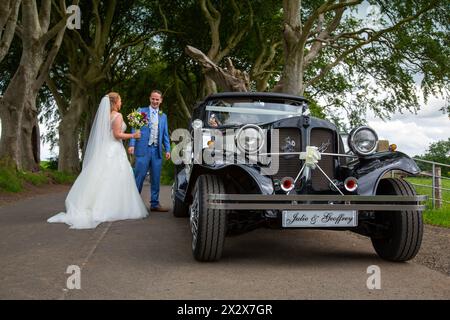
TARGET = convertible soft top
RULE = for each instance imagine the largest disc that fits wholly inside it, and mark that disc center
(256, 95)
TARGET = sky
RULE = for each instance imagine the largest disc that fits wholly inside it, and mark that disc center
(414, 133)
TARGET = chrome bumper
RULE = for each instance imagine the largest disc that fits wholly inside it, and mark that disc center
(315, 202)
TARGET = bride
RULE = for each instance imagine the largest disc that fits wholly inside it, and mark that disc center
(106, 189)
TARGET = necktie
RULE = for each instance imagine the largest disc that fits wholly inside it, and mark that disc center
(154, 129)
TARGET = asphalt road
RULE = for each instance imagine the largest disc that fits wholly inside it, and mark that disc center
(151, 259)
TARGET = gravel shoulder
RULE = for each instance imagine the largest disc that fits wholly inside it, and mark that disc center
(435, 250)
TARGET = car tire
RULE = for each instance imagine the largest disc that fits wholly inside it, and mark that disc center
(404, 229)
(208, 226)
(180, 209)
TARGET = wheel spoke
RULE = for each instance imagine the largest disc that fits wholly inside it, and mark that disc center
(194, 215)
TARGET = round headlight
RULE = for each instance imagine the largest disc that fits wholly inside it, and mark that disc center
(250, 138)
(363, 141)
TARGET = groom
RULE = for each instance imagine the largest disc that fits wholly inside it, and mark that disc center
(148, 149)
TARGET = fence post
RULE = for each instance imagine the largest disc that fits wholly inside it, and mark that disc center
(438, 186)
(433, 184)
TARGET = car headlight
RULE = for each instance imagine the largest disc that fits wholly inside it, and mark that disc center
(250, 138)
(363, 141)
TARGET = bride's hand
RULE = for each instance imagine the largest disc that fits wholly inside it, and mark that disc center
(137, 135)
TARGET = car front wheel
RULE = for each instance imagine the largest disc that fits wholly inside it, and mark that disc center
(180, 209)
(402, 237)
(208, 226)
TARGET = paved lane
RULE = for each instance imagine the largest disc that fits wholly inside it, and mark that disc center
(151, 259)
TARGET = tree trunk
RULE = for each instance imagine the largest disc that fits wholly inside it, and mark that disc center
(10, 116)
(18, 106)
(209, 87)
(69, 159)
(292, 79)
(19, 114)
(30, 140)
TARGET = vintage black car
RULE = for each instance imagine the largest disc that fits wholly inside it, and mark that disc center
(260, 160)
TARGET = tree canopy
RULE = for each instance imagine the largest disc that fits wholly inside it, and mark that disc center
(346, 56)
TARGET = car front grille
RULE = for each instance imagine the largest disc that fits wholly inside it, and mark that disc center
(289, 166)
(324, 140)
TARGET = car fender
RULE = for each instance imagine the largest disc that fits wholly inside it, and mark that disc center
(371, 170)
(263, 184)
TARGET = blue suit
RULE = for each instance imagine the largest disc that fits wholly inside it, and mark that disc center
(150, 157)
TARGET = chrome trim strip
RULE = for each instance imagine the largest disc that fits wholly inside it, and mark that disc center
(330, 207)
(298, 153)
(280, 197)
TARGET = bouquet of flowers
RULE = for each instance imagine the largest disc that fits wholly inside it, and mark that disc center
(137, 120)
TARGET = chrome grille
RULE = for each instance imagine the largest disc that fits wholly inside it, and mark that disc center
(289, 166)
(324, 140)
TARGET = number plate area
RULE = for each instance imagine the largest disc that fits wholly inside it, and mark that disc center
(320, 219)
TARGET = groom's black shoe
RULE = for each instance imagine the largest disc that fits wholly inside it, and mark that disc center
(159, 209)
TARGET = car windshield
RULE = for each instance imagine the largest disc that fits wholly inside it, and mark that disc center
(235, 113)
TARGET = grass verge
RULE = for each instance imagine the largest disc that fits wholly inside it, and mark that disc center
(14, 181)
(438, 217)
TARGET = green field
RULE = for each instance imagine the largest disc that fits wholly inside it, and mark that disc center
(438, 217)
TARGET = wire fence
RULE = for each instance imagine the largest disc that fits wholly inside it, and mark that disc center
(437, 190)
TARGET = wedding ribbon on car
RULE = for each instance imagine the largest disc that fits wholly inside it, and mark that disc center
(312, 156)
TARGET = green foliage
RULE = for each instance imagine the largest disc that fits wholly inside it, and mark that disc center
(391, 73)
(36, 179)
(51, 164)
(62, 177)
(167, 173)
(383, 76)
(14, 181)
(437, 152)
(439, 217)
(9, 180)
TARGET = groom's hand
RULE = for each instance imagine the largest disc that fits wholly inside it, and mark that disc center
(167, 155)
(131, 150)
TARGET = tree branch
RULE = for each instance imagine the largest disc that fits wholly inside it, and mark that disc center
(8, 26)
(60, 102)
(374, 37)
(30, 20)
(49, 35)
(229, 80)
(45, 68)
(324, 35)
(44, 14)
(213, 17)
(237, 35)
(180, 97)
(106, 27)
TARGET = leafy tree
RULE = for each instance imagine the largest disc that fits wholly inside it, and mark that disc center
(353, 56)
(40, 43)
(437, 152)
(108, 50)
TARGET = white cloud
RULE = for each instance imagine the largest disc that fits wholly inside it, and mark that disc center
(414, 133)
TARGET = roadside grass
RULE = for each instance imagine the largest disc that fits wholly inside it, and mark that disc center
(13, 181)
(437, 217)
(9, 180)
(167, 173)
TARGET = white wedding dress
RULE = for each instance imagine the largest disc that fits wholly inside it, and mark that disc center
(106, 189)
